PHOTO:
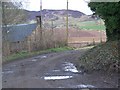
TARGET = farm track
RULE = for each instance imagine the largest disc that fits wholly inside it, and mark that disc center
(31, 72)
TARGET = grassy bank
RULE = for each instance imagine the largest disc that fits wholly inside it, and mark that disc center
(102, 57)
(24, 54)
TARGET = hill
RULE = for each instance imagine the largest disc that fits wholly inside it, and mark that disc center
(49, 14)
(76, 19)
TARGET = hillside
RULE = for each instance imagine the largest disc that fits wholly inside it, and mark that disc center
(49, 14)
(76, 19)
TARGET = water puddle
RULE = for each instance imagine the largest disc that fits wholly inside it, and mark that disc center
(62, 73)
(84, 86)
(57, 77)
(56, 70)
(34, 60)
(70, 67)
(40, 57)
(7, 72)
(61, 87)
(43, 57)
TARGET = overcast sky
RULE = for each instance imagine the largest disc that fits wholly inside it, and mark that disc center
(80, 5)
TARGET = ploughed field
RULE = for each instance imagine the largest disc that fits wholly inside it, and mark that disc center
(79, 38)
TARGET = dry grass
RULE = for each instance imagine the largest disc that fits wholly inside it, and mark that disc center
(57, 38)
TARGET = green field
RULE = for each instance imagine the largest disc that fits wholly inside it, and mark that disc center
(90, 25)
(78, 24)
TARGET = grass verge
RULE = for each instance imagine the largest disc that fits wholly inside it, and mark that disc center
(24, 54)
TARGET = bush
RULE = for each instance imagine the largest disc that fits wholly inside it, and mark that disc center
(101, 57)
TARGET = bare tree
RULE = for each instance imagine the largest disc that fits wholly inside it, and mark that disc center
(13, 12)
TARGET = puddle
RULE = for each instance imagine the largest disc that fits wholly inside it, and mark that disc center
(40, 57)
(7, 72)
(57, 77)
(57, 74)
(43, 57)
(34, 60)
(64, 73)
(84, 86)
(70, 67)
(56, 70)
(61, 87)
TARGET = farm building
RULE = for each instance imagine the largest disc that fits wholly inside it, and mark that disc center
(15, 37)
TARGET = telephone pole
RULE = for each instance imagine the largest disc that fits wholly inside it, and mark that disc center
(41, 36)
(101, 30)
(41, 14)
(67, 24)
(6, 49)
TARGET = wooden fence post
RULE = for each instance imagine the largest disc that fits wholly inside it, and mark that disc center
(93, 41)
(29, 45)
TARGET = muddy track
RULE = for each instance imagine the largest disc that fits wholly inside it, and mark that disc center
(53, 70)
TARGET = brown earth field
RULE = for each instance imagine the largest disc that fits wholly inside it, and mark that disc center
(79, 38)
(86, 36)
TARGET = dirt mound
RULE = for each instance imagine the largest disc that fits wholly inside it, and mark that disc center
(102, 57)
